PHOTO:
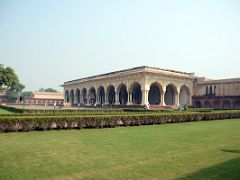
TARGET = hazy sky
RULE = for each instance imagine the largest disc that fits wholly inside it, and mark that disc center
(48, 42)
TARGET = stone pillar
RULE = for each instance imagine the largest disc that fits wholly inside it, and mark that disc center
(162, 97)
(145, 97)
(117, 98)
(190, 100)
(97, 99)
(106, 99)
(82, 99)
(75, 98)
(129, 98)
(177, 97)
(88, 99)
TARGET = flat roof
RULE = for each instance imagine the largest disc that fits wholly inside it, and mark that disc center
(218, 81)
(131, 70)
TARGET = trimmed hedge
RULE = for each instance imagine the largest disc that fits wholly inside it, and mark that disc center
(28, 123)
(11, 109)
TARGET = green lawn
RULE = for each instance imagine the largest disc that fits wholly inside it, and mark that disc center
(2, 111)
(198, 150)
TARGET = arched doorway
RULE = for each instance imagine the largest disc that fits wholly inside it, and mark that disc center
(92, 96)
(207, 104)
(216, 105)
(111, 95)
(170, 94)
(101, 95)
(226, 105)
(77, 93)
(154, 95)
(184, 95)
(67, 96)
(237, 105)
(198, 104)
(122, 94)
(84, 96)
(72, 96)
(136, 93)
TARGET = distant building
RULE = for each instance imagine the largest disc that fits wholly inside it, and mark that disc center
(45, 98)
(219, 94)
(149, 85)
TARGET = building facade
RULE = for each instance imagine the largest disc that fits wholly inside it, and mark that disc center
(132, 87)
(45, 98)
(218, 94)
(158, 87)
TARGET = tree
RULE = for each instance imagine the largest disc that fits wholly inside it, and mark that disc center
(41, 90)
(8, 77)
(27, 94)
(50, 90)
(15, 91)
(47, 90)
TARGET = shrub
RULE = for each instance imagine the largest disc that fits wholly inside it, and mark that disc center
(65, 121)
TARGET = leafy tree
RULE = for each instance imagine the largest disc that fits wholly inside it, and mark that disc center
(15, 91)
(41, 90)
(8, 77)
(50, 90)
(27, 94)
(47, 90)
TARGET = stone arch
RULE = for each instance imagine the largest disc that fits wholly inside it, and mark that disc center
(72, 96)
(136, 93)
(170, 94)
(184, 95)
(216, 104)
(111, 94)
(236, 104)
(210, 90)
(206, 90)
(77, 94)
(92, 96)
(154, 94)
(198, 104)
(226, 105)
(122, 94)
(84, 96)
(67, 96)
(207, 104)
(101, 95)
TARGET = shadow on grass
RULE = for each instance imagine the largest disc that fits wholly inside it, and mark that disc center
(230, 151)
(226, 170)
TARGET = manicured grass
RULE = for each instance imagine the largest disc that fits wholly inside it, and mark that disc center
(2, 111)
(198, 150)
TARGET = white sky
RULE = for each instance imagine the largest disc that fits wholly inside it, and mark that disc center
(49, 42)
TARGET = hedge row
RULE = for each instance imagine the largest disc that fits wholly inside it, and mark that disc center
(12, 109)
(14, 124)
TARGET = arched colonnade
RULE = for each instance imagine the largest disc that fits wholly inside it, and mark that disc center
(218, 103)
(135, 94)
